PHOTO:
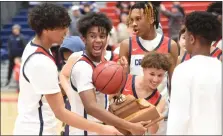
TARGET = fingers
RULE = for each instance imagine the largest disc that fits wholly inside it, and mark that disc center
(119, 134)
(145, 122)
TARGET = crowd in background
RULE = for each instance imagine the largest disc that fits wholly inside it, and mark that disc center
(17, 42)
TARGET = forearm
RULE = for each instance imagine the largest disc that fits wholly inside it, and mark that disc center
(108, 118)
(64, 82)
(77, 121)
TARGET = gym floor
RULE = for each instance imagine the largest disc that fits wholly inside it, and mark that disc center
(9, 112)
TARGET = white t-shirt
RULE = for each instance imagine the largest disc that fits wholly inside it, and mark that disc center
(35, 116)
(81, 77)
(195, 105)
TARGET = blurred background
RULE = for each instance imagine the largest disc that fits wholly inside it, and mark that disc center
(15, 33)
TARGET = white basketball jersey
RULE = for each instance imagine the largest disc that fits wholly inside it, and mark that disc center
(35, 116)
(78, 107)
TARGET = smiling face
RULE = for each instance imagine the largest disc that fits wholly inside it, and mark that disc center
(153, 77)
(95, 41)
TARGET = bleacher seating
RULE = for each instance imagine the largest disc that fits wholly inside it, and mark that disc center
(21, 19)
(188, 6)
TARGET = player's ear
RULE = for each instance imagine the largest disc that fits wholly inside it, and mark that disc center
(192, 39)
(151, 21)
(83, 39)
(44, 32)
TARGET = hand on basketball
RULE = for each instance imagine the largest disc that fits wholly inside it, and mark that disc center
(123, 61)
(109, 130)
(138, 128)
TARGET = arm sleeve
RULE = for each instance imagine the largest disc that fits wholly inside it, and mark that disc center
(179, 103)
(81, 76)
(42, 74)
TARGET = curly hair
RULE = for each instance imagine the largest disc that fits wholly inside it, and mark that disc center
(94, 19)
(149, 11)
(215, 7)
(48, 16)
(156, 60)
(204, 25)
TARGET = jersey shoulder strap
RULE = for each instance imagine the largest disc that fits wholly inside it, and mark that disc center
(39, 50)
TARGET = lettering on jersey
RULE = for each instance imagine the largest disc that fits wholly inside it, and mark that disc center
(138, 62)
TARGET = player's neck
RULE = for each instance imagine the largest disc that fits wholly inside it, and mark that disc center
(141, 90)
(182, 51)
(91, 57)
(141, 85)
(42, 42)
(150, 35)
(205, 50)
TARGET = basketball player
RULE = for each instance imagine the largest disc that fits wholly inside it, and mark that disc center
(40, 101)
(184, 55)
(73, 58)
(216, 9)
(154, 67)
(85, 100)
(142, 18)
(195, 107)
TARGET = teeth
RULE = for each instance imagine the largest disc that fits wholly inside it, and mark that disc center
(97, 48)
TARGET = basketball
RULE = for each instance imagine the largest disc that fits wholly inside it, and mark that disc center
(109, 77)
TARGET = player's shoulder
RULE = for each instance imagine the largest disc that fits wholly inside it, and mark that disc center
(81, 66)
(125, 42)
(41, 60)
(180, 68)
(79, 53)
(76, 55)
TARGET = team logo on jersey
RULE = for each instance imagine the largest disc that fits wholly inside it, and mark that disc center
(127, 90)
(138, 62)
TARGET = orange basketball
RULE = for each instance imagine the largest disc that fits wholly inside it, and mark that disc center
(109, 77)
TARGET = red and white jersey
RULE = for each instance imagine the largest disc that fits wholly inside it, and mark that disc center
(80, 81)
(218, 43)
(137, 52)
(129, 89)
(216, 53)
(38, 76)
(111, 56)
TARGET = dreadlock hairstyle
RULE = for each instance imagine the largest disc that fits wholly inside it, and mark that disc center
(149, 10)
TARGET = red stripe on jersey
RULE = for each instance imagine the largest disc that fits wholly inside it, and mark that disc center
(137, 48)
(86, 59)
(129, 89)
(115, 57)
(41, 50)
(216, 53)
(216, 43)
(186, 56)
